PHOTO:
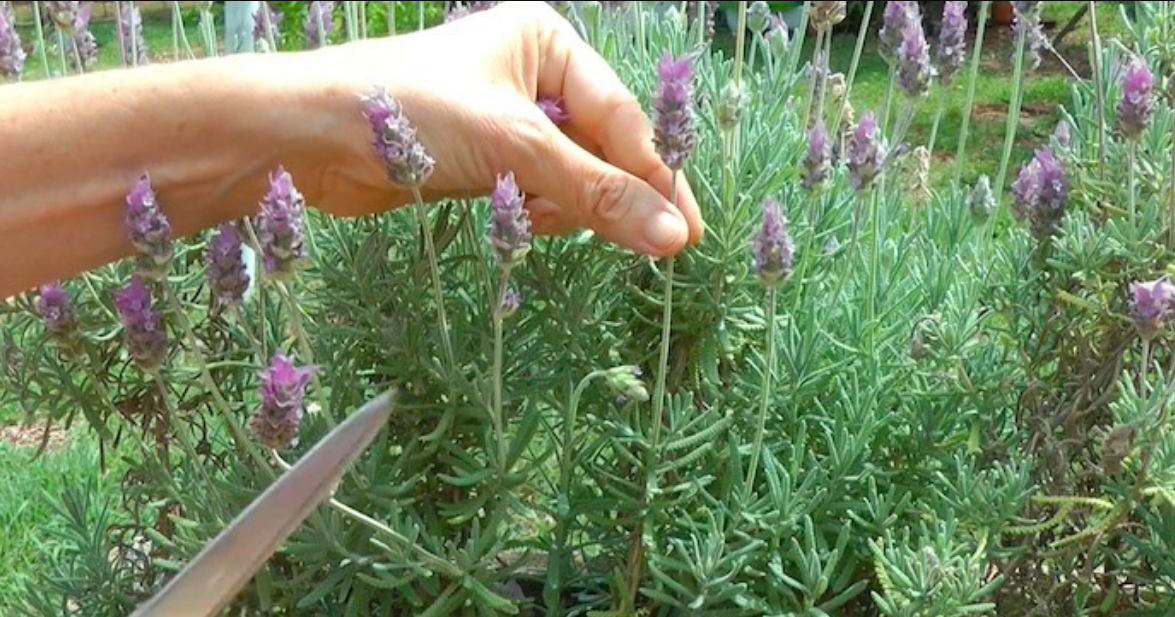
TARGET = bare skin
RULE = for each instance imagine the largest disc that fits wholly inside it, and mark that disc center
(209, 132)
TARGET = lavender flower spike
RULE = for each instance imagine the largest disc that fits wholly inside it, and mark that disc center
(1152, 304)
(817, 164)
(1137, 104)
(281, 226)
(149, 230)
(864, 156)
(146, 337)
(132, 45)
(898, 14)
(553, 108)
(61, 322)
(12, 55)
(1040, 193)
(275, 18)
(914, 69)
(673, 124)
(395, 141)
(772, 248)
(952, 41)
(319, 11)
(1027, 20)
(509, 303)
(283, 393)
(509, 226)
(227, 276)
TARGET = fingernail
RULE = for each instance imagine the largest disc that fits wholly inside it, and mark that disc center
(664, 231)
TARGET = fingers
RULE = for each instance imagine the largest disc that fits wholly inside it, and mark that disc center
(605, 112)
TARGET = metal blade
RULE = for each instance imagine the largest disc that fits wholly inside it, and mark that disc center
(217, 574)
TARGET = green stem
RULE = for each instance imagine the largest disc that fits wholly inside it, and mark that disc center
(874, 265)
(1013, 116)
(740, 41)
(363, 20)
(1143, 363)
(861, 32)
(1171, 223)
(44, 53)
(497, 417)
(1099, 99)
(942, 105)
(322, 37)
(350, 19)
(825, 72)
(183, 34)
(77, 57)
(889, 88)
(254, 341)
(305, 349)
(663, 361)
(185, 439)
(61, 53)
(1132, 158)
(391, 18)
(434, 269)
(768, 370)
(258, 267)
(816, 49)
(420, 16)
(976, 56)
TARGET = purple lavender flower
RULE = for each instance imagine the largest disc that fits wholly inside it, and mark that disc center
(283, 394)
(281, 227)
(274, 16)
(509, 226)
(1040, 193)
(395, 141)
(554, 109)
(510, 302)
(711, 9)
(952, 41)
(320, 12)
(1027, 21)
(898, 14)
(61, 322)
(132, 45)
(1137, 103)
(914, 69)
(817, 162)
(772, 248)
(673, 123)
(149, 231)
(146, 337)
(457, 10)
(227, 277)
(12, 55)
(72, 21)
(1152, 305)
(864, 156)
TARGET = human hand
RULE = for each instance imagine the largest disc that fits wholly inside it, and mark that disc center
(469, 87)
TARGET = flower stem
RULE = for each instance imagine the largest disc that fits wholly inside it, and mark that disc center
(391, 18)
(874, 265)
(1099, 97)
(663, 361)
(1143, 363)
(1132, 158)
(254, 342)
(322, 38)
(434, 268)
(861, 32)
(942, 104)
(185, 439)
(768, 370)
(976, 55)
(420, 16)
(258, 267)
(813, 77)
(305, 349)
(181, 31)
(497, 417)
(825, 71)
(44, 53)
(889, 88)
(1013, 115)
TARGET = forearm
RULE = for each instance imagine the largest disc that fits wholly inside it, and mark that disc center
(207, 132)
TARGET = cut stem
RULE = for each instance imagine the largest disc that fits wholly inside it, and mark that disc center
(768, 370)
(434, 269)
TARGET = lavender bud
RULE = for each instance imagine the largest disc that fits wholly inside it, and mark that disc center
(1137, 104)
(227, 276)
(53, 305)
(731, 104)
(825, 15)
(553, 108)
(952, 41)
(918, 176)
(625, 382)
(320, 13)
(772, 248)
(146, 337)
(776, 35)
(149, 230)
(758, 16)
(831, 247)
(1062, 135)
(283, 393)
(817, 163)
(1027, 20)
(981, 201)
(898, 15)
(1152, 305)
(509, 226)
(132, 45)
(12, 55)
(509, 303)
(673, 122)
(1040, 193)
(274, 17)
(864, 154)
(408, 163)
(914, 69)
(281, 225)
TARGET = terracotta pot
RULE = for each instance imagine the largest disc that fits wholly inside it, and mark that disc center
(1001, 13)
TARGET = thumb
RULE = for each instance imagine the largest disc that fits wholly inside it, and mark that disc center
(585, 191)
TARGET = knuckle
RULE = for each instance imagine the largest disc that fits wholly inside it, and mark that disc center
(609, 197)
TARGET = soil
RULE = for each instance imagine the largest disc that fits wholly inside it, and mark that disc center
(30, 436)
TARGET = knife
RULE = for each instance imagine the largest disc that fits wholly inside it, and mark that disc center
(227, 563)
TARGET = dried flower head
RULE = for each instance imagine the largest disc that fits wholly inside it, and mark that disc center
(319, 23)
(146, 337)
(1152, 305)
(673, 123)
(897, 16)
(772, 247)
(131, 44)
(149, 230)
(817, 163)
(952, 41)
(981, 201)
(553, 108)
(914, 69)
(864, 154)
(281, 225)
(227, 276)
(1137, 104)
(12, 55)
(56, 311)
(826, 15)
(283, 393)
(509, 226)
(731, 105)
(626, 383)
(918, 176)
(263, 31)
(1040, 193)
(1116, 446)
(395, 141)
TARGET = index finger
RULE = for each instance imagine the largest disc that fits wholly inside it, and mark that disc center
(601, 108)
